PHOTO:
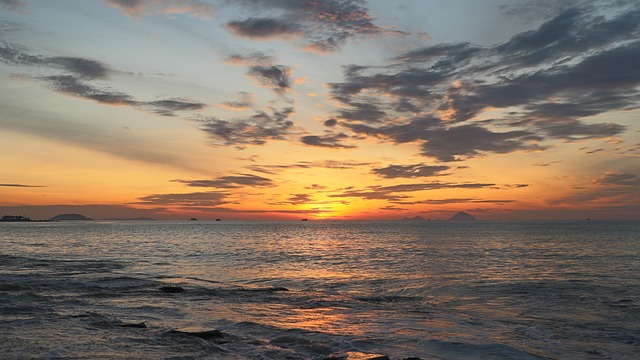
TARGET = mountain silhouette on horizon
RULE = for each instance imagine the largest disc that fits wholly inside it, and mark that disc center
(462, 216)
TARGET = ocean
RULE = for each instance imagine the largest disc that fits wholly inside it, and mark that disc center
(320, 290)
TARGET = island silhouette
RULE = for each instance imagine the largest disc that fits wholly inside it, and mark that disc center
(462, 216)
(66, 217)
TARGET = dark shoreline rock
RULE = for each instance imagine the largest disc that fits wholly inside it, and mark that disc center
(140, 325)
(171, 289)
(215, 335)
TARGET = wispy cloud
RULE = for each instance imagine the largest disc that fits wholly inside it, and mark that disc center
(398, 193)
(138, 8)
(326, 164)
(77, 77)
(198, 199)
(74, 86)
(245, 101)
(328, 141)
(230, 182)
(410, 171)
(22, 185)
(620, 179)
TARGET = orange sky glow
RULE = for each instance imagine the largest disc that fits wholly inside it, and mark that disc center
(345, 110)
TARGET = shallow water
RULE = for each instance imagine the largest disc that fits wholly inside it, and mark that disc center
(306, 290)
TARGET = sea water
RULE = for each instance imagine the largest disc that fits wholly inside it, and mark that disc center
(320, 289)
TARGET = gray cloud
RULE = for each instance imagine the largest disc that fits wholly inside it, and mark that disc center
(254, 130)
(396, 193)
(261, 28)
(168, 107)
(204, 199)
(74, 86)
(80, 71)
(256, 58)
(275, 77)
(327, 140)
(455, 201)
(620, 179)
(326, 164)
(86, 68)
(409, 171)
(296, 199)
(230, 182)
(572, 67)
(324, 25)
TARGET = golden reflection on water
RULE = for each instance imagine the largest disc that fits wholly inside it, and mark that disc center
(332, 320)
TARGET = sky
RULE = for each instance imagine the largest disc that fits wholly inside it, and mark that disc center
(320, 109)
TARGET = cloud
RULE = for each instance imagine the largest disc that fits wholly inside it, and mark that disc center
(262, 68)
(396, 193)
(198, 199)
(296, 199)
(138, 8)
(79, 73)
(409, 171)
(315, 187)
(326, 164)
(230, 182)
(275, 77)
(246, 101)
(574, 130)
(85, 68)
(620, 179)
(168, 107)
(263, 28)
(21, 185)
(455, 201)
(74, 86)
(323, 26)
(253, 59)
(328, 141)
(550, 81)
(453, 143)
(254, 130)
(330, 122)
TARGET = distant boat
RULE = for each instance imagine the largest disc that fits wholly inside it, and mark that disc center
(193, 219)
(218, 220)
(305, 219)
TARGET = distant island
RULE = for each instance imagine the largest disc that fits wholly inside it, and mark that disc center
(415, 218)
(462, 216)
(14, 218)
(65, 217)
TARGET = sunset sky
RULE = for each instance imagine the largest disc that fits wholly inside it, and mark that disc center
(320, 109)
